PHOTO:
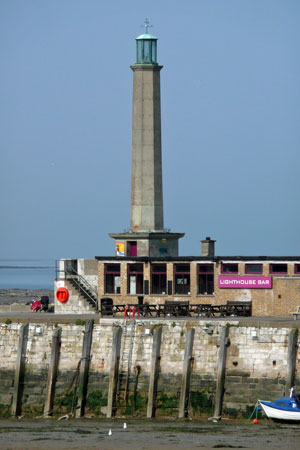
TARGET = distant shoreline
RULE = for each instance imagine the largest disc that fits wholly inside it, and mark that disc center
(22, 291)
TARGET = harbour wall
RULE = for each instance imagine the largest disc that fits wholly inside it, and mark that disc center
(150, 367)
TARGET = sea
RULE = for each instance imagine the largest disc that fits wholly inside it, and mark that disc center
(27, 273)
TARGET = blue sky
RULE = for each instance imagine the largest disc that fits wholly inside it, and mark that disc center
(230, 123)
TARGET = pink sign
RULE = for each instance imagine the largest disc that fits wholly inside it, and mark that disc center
(235, 282)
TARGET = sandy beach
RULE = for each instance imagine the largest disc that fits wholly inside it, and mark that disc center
(145, 434)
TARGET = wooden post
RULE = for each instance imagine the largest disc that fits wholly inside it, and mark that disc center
(155, 358)
(137, 374)
(52, 372)
(20, 371)
(291, 360)
(186, 374)
(114, 372)
(84, 368)
(224, 343)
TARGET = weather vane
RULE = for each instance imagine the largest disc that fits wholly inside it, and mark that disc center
(146, 25)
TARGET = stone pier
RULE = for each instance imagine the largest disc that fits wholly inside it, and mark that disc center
(190, 370)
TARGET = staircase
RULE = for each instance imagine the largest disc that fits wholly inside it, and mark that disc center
(82, 286)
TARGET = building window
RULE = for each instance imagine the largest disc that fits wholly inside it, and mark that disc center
(158, 279)
(278, 268)
(135, 279)
(297, 268)
(230, 268)
(205, 279)
(182, 278)
(253, 268)
(112, 279)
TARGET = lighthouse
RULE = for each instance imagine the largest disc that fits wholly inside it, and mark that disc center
(146, 235)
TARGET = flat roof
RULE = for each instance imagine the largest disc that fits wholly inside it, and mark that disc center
(198, 258)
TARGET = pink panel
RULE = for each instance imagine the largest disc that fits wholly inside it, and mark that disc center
(133, 248)
(236, 282)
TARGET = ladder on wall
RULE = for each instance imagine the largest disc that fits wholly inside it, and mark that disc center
(129, 328)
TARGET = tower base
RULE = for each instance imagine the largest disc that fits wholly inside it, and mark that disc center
(152, 244)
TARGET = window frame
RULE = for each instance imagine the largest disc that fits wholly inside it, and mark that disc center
(114, 273)
(160, 275)
(297, 270)
(139, 274)
(229, 264)
(184, 275)
(278, 264)
(206, 275)
(254, 272)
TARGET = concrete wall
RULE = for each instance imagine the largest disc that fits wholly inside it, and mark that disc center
(256, 365)
(159, 248)
(76, 304)
(88, 268)
(146, 177)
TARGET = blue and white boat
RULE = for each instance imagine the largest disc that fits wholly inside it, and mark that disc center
(285, 408)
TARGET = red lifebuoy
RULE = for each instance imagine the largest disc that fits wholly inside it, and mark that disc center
(62, 295)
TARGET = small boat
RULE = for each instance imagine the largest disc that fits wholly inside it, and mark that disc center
(285, 408)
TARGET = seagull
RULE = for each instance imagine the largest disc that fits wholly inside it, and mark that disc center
(124, 426)
(110, 433)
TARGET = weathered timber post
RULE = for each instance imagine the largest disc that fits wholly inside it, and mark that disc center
(114, 372)
(224, 343)
(84, 368)
(137, 374)
(20, 371)
(186, 374)
(155, 359)
(52, 372)
(291, 360)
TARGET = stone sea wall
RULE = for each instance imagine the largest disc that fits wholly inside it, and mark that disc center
(258, 363)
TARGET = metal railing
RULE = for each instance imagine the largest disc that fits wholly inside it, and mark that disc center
(176, 309)
(82, 284)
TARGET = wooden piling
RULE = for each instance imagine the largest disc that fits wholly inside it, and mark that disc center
(155, 359)
(84, 368)
(291, 360)
(114, 372)
(186, 374)
(20, 371)
(224, 343)
(52, 372)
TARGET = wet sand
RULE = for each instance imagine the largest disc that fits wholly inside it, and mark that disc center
(9, 296)
(144, 434)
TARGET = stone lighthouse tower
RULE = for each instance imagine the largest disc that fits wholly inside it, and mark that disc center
(146, 236)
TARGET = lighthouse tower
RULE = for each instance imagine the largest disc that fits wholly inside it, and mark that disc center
(146, 236)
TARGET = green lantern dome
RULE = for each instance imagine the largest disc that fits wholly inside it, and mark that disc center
(146, 47)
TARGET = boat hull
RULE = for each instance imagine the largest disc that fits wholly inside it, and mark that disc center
(279, 414)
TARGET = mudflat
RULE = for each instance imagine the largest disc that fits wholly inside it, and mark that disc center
(8, 296)
(145, 434)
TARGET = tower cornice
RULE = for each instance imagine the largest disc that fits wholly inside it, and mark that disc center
(146, 235)
(152, 67)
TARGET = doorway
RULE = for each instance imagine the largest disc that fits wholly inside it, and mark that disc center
(132, 248)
